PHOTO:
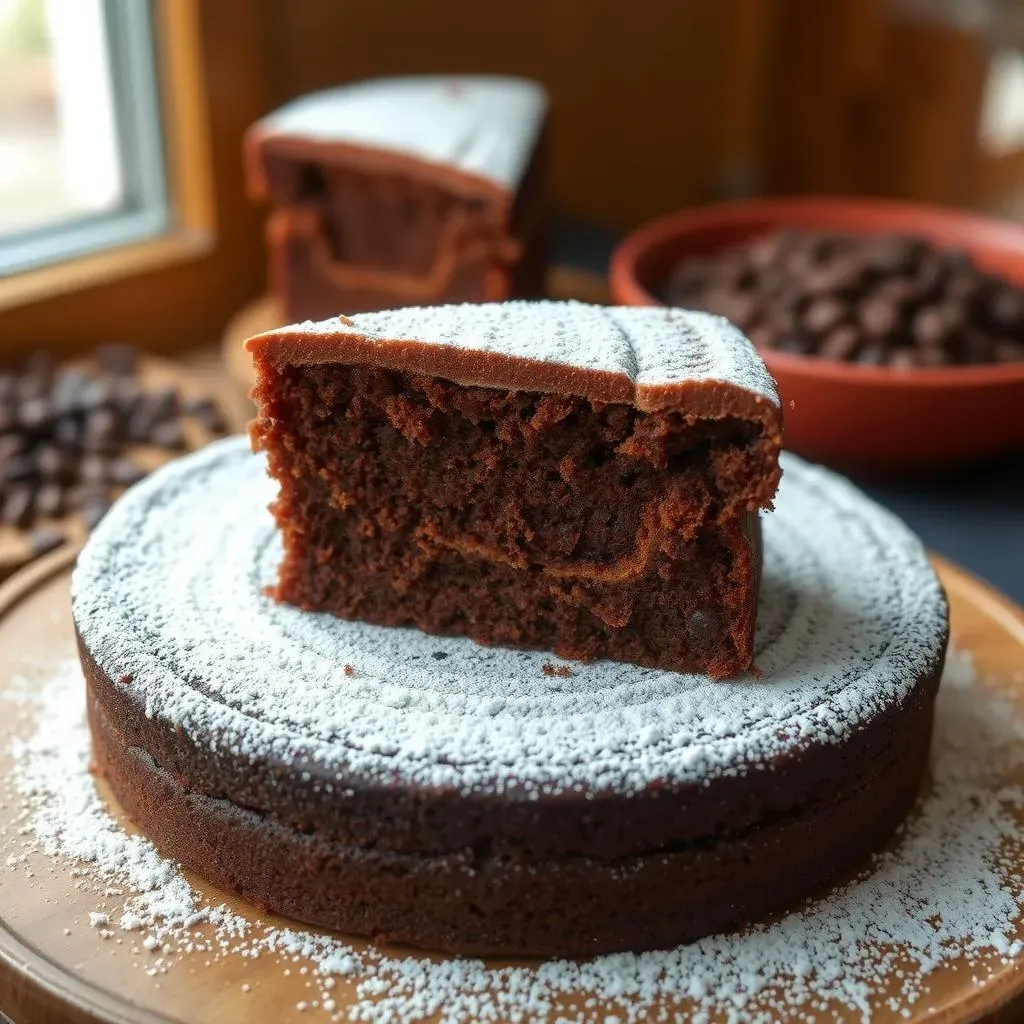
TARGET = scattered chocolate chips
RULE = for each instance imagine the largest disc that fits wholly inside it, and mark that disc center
(878, 300)
(65, 431)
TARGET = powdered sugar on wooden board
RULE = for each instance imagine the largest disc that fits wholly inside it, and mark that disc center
(484, 125)
(949, 893)
(649, 346)
(168, 598)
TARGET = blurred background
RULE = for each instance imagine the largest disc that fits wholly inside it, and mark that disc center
(124, 217)
(656, 105)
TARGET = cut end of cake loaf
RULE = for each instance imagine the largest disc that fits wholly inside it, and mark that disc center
(546, 475)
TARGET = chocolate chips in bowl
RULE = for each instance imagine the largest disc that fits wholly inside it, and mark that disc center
(885, 300)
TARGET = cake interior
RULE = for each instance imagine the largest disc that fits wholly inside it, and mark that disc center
(517, 518)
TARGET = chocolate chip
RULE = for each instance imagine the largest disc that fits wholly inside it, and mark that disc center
(127, 394)
(901, 291)
(841, 344)
(439, 655)
(824, 314)
(45, 540)
(17, 505)
(892, 254)
(34, 413)
(207, 413)
(20, 468)
(68, 432)
(94, 469)
(903, 358)
(168, 434)
(124, 472)
(1008, 351)
(11, 445)
(69, 392)
(930, 327)
(101, 431)
(50, 501)
(117, 360)
(1006, 309)
(54, 463)
(933, 356)
(165, 403)
(878, 317)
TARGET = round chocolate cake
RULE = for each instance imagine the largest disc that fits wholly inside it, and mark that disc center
(436, 792)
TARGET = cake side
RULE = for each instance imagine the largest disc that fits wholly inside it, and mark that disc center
(393, 739)
(356, 777)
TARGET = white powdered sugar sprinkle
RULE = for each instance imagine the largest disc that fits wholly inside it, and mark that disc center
(168, 597)
(483, 125)
(649, 346)
(948, 893)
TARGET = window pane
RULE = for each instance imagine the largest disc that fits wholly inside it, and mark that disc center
(59, 154)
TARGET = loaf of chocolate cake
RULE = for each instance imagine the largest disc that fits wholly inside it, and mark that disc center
(400, 191)
(542, 475)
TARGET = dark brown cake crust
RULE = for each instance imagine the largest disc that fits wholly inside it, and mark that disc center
(420, 798)
(517, 518)
(482, 900)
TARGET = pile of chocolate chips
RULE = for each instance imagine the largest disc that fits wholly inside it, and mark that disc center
(886, 299)
(65, 433)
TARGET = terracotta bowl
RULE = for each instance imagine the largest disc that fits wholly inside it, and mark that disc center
(869, 417)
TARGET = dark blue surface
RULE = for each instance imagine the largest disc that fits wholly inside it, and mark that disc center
(974, 516)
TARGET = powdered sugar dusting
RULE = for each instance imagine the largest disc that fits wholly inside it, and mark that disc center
(168, 597)
(650, 346)
(949, 893)
(485, 125)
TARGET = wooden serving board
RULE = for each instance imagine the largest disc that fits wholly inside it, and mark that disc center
(54, 967)
(264, 314)
(152, 373)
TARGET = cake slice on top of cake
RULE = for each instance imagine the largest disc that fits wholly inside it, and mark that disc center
(550, 475)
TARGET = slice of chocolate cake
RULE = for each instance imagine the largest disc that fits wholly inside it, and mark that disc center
(545, 475)
(399, 191)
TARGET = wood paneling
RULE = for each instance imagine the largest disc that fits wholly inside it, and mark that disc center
(638, 88)
(867, 102)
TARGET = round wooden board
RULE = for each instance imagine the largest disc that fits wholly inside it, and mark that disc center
(264, 314)
(152, 373)
(54, 967)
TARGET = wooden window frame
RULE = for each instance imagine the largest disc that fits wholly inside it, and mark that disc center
(179, 288)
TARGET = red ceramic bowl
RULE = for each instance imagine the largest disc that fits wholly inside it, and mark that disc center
(862, 416)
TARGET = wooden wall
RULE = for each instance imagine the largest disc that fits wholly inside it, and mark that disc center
(663, 103)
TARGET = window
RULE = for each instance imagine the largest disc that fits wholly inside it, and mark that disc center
(81, 153)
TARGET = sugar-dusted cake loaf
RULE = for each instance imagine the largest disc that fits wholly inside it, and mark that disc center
(414, 190)
(542, 475)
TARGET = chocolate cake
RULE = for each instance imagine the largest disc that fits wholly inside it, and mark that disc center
(431, 791)
(403, 191)
(543, 475)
